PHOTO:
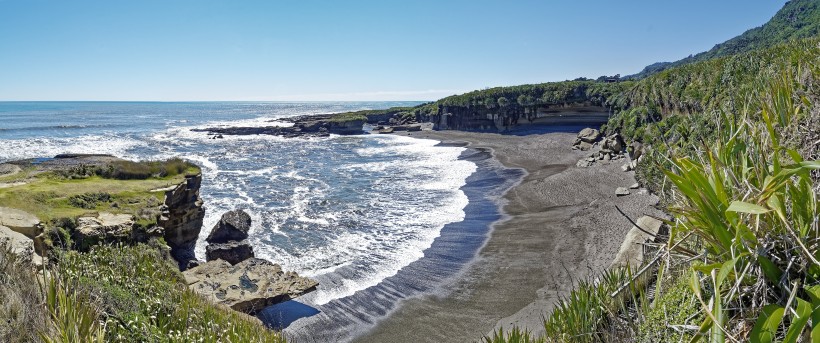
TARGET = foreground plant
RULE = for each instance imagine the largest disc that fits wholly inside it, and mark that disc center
(751, 204)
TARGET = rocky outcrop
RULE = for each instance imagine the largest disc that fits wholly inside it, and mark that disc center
(233, 226)
(614, 143)
(228, 238)
(20, 221)
(20, 245)
(632, 249)
(110, 228)
(232, 252)
(320, 125)
(249, 286)
(181, 218)
(588, 135)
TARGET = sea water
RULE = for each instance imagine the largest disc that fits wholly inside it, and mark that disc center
(348, 211)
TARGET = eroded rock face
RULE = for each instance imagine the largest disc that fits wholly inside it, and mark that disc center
(110, 228)
(233, 251)
(181, 218)
(20, 221)
(233, 226)
(248, 286)
(20, 244)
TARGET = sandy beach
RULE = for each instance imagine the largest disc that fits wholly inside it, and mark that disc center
(560, 225)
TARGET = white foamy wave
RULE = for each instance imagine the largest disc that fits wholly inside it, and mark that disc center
(120, 146)
(408, 221)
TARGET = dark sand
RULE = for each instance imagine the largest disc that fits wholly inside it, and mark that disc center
(562, 226)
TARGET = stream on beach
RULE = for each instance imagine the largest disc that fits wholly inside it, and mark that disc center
(374, 218)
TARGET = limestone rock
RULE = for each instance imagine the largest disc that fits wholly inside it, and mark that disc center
(631, 251)
(584, 146)
(233, 252)
(233, 226)
(181, 218)
(635, 150)
(105, 227)
(615, 143)
(589, 135)
(626, 167)
(635, 186)
(249, 286)
(20, 221)
(621, 191)
(20, 244)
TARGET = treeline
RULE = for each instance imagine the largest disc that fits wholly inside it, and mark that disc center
(651, 108)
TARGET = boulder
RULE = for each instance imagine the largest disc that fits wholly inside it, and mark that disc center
(589, 135)
(621, 191)
(631, 251)
(105, 227)
(20, 221)
(249, 287)
(584, 146)
(233, 252)
(615, 143)
(233, 226)
(20, 245)
(635, 150)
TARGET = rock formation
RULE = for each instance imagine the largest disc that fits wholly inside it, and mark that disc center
(232, 252)
(20, 221)
(181, 218)
(632, 249)
(249, 286)
(233, 226)
(228, 238)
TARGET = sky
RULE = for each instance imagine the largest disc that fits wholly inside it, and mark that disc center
(381, 50)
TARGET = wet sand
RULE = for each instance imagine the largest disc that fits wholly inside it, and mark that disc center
(561, 225)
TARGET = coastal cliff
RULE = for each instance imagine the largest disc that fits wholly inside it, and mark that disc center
(181, 218)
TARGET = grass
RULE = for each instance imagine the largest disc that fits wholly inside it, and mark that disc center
(121, 187)
(114, 294)
(742, 263)
(348, 117)
(144, 298)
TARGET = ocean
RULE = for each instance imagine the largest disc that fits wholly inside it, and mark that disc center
(349, 211)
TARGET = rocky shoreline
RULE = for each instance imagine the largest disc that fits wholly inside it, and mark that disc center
(230, 276)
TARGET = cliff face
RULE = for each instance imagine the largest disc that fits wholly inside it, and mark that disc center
(499, 120)
(181, 218)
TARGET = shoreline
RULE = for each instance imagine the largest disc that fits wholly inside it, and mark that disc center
(544, 240)
(450, 254)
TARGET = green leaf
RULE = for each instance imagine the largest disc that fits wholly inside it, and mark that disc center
(803, 312)
(772, 272)
(814, 295)
(766, 325)
(745, 207)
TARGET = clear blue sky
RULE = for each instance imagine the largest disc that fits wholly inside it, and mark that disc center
(342, 50)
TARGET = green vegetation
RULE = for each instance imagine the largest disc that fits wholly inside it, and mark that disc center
(732, 148)
(797, 19)
(119, 187)
(113, 294)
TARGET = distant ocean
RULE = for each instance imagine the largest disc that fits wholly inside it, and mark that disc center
(349, 211)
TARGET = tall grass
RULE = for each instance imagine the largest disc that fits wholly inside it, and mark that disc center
(752, 203)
